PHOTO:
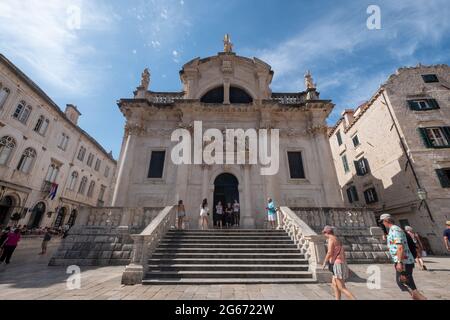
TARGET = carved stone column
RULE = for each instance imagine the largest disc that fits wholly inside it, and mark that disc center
(132, 131)
(248, 219)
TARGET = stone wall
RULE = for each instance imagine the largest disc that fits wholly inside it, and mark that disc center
(103, 236)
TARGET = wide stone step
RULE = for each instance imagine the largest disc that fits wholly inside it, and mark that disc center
(225, 250)
(227, 231)
(169, 246)
(227, 238)
(209, 281)
(227, 267)
(225, 234)
(223, 255)
(194, 261)
(228, 274)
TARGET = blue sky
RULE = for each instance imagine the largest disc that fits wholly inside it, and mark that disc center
(101, 62)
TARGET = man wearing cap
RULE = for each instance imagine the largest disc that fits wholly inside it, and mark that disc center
(401, 256)
(447, 236)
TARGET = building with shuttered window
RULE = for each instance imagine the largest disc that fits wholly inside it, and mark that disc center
(47, 170)
(392, 154)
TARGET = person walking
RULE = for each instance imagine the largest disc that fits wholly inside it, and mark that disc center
(9, 246)
(419, 246)
(181, 214)
(236, 213)
(204, 213)
(447, 236)
(45, 241)
(401, 256)
(271, 213)
(219, 213)
(335, 258)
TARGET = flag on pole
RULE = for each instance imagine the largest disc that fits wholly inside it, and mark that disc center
(53, 191)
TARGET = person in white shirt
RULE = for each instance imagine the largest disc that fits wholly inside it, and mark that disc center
(204, 213)
(219, 212)
(236, 213)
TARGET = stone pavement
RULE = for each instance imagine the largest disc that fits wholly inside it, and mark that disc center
(29, 277)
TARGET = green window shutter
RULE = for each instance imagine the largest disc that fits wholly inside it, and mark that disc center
(358, 169)
(375, 196)
(426, 140)
(366, 196)
(433, 104)
(349, 195)
(443, 178)
(413, 105)
(366, 163)
(446, 131)
(355, 193)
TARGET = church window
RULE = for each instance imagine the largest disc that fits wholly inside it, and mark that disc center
(296, 165)
(213, 96)
(156, 164)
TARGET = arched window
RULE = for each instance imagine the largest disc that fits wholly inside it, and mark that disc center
(213, 96)
(91, 189)
(22, 112)
(26, 160)
(52, 173)
(83, 184)
(238, 95)
(81, 153)
(7, 145)
(4, 93)
(73, 180)
(72, 218)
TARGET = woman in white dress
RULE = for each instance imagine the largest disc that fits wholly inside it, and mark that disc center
(204, 213)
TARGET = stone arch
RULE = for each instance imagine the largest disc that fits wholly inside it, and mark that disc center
(233, 83)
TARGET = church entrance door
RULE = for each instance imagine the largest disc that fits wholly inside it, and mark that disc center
(225, 190)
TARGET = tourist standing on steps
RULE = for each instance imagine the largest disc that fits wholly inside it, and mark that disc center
(447, 236)
(401, 256)
(335, 258)
(419, 246)
(228, 215)
(181, 214)
(236, 213)
(204, 213)
(10, 245)
(47, 238)
(219, 213)
(271, 213)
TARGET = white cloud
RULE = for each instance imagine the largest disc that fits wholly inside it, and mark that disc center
(38, 33)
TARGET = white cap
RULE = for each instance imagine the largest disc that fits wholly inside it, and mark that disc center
(385, 216)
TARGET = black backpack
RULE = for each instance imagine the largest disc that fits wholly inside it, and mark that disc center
(411, 245)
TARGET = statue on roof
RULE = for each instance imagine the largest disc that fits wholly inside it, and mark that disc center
(145, 79)
(227, 45)
(309, 81)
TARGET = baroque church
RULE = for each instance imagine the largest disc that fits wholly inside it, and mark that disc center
(226, 91)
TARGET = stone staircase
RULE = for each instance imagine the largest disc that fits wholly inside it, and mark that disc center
(227, 256)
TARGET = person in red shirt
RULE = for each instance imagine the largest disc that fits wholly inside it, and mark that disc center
(10, 245)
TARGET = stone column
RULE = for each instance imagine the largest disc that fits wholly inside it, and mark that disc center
(125, 166)
(226, 92)
(248, 219)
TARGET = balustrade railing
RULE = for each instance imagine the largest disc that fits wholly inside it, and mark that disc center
(342, 218)
(285, 98)
(145, 243)
(310, 244)
(164, 97)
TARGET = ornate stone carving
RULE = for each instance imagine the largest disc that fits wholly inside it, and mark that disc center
(309, 84)
(132, 128)
(320, 129)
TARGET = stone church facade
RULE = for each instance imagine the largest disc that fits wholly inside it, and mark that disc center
(226, 91)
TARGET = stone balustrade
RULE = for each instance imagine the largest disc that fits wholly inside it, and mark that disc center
(307, 240)
(341, 218)
(284, 98)
(164, 97)
(145, 243)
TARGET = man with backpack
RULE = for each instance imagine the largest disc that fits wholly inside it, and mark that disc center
(402, 256)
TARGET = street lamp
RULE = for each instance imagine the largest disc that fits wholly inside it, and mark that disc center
(422, 194)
